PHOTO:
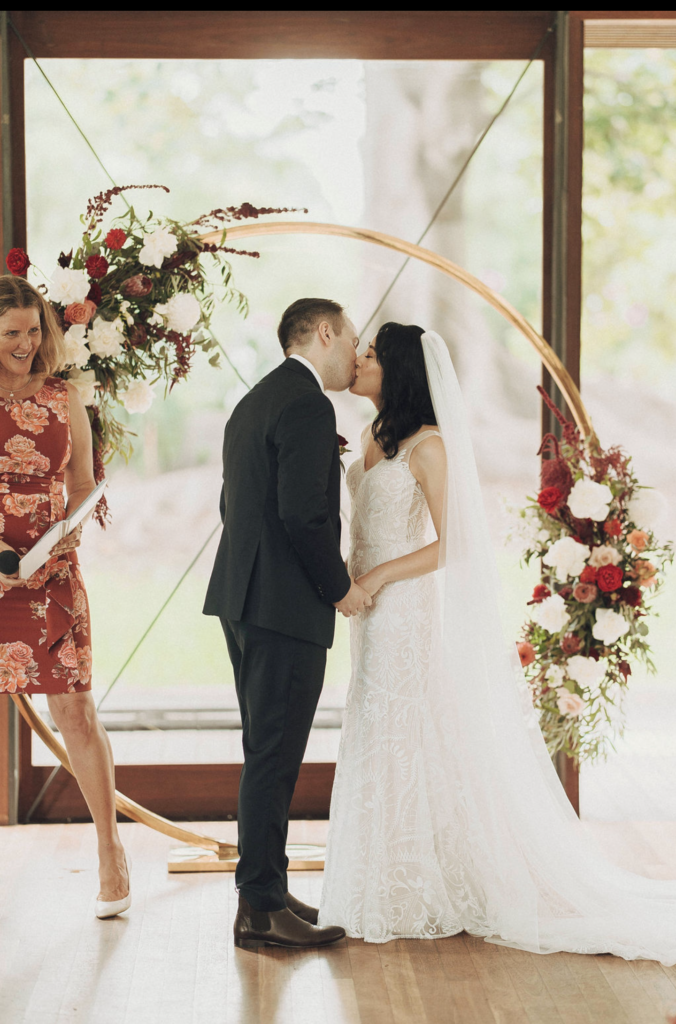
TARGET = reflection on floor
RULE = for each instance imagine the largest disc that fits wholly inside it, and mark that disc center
(171, 959)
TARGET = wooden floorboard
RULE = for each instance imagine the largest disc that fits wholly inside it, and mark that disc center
(172, 960)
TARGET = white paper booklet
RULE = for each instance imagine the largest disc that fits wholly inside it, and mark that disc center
(39, 553)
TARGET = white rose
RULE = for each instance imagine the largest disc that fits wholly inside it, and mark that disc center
(86, 383)
(182, 312)
(555, 675)
(75, 351)
(106, 337)
(586, 671)
(589, 500)
(609, 626)
(551, 614)
(567, 557)
(138, 396)
(156, 246)
(605, 554)
(570, 704)
(69, 286)
(647, 508)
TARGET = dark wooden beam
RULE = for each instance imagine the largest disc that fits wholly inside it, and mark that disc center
(562, 235)
(182, 792)
(216, 35)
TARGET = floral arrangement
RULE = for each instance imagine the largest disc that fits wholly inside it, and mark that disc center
(135, 305)
(592, 529)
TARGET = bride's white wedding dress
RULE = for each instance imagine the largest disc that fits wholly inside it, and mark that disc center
(383, 876)
(446, 812)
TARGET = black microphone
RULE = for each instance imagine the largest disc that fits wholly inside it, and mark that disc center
(9, 562)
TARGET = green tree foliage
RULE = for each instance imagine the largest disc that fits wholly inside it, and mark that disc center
(630, 215)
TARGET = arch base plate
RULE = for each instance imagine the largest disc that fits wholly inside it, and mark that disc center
(185, 859)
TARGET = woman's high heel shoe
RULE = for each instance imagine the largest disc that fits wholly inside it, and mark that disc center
(111, 908)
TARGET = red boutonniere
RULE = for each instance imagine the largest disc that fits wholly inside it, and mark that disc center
(342, 449)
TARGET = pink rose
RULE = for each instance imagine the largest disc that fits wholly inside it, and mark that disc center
(79, 312)
(643, 572)
(604, 554)
(638, 540)
(526, 653)
(569, 704)
(585, 593)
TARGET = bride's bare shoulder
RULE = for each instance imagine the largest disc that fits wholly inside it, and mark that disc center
(416, 439)
(428, 455)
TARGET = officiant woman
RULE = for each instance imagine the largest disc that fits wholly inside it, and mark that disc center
(45, 637)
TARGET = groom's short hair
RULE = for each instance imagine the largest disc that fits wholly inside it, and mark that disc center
(302, 317)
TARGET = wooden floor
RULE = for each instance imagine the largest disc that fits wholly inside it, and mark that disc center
(172, 961)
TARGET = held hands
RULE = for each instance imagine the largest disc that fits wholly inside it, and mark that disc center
(354, 601)
(69, 543)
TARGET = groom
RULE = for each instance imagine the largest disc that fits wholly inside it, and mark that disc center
(276, 583)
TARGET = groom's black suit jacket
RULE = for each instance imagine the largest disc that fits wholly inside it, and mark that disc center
(279, 564)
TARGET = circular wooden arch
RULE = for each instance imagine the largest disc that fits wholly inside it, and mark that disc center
(546, 353)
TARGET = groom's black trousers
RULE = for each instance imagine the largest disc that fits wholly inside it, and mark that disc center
(278, 681)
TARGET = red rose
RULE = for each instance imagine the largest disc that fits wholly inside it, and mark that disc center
(97, 266)
(540, 592)
(585, 593)
(342, 441)
(631, 596)
(613, 527)
(17, 262)
(551, 500)
(565, 592)
(95, 294)
(137, 287)
(588, 574)
(571, 644)
(115, 238)
(609, 577)
(526, 653)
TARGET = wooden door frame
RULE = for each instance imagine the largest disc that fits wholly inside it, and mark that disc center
(210, 791)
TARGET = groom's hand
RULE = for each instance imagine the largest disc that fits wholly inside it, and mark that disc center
(354, 601)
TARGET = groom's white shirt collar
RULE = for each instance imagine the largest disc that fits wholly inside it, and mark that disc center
(306, 362)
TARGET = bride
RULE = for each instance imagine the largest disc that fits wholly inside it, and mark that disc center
(447, 813)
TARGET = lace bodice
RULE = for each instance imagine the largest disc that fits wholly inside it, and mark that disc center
(390, 517)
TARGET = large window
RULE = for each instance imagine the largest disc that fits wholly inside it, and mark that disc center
(361, 143)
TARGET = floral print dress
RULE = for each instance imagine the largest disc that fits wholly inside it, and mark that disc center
(45, 641)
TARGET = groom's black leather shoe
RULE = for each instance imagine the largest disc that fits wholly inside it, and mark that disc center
(302, 910)
(279, 928)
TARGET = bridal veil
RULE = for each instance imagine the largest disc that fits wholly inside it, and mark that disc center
(532, 878)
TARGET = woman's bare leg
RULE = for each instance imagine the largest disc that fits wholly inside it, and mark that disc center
(91, 758)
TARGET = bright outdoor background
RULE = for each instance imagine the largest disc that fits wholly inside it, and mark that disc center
(373, 144)
(629, 370)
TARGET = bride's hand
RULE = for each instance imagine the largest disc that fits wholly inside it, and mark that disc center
(372, 581)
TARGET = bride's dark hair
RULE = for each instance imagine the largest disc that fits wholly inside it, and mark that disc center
(406, 399)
